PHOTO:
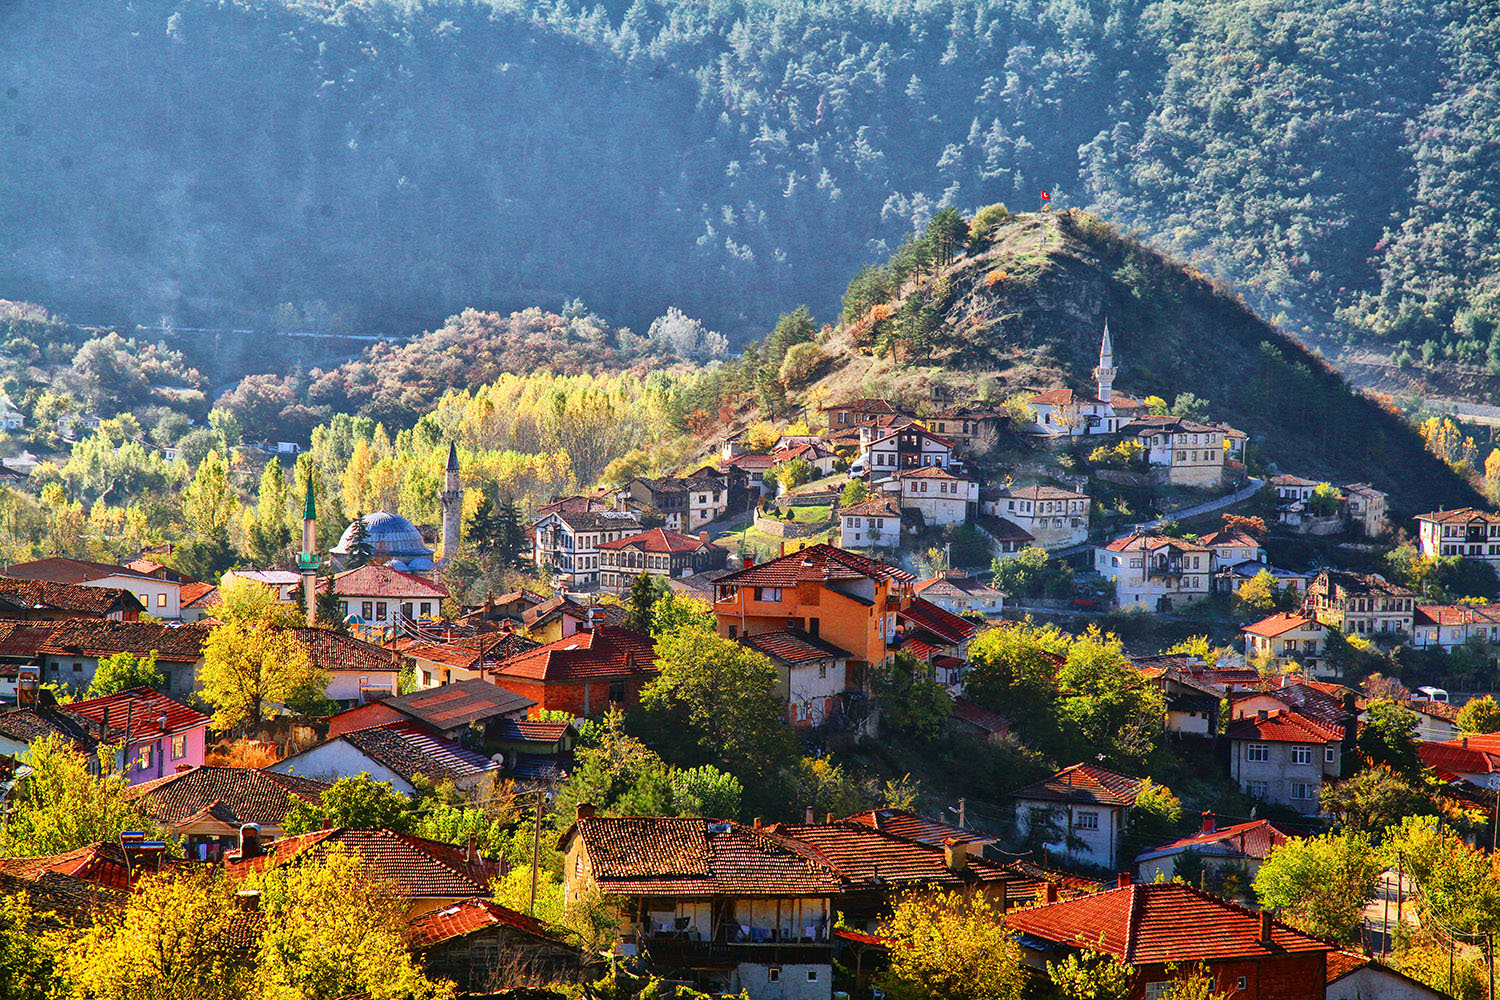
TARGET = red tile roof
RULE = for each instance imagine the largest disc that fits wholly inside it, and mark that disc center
(330, 650)
(907, 824)
(531, 731)
(1062, 397)
(101, 863)
(867, 857)
(1281, 623)
(197, 594)
(1454, 757)
(1084, 783)
(181, 643)
(675, 856)
(417, 867)
(816, 562)
(142, 708)
(24, 639)
(928, 472)
(879, 507)
(1158, 923)
(468, 917)
(956, 587)
(1283, 727)
(1144, 541)
(453, 706)
(1254, 839)
(980, 717)
(603, 652)
(60, 569)
(1465, 514)
(657, 540)
(794, 646)
(68, 598)
(236, 795)
(381, 581)
(943, 624)
(408, 749)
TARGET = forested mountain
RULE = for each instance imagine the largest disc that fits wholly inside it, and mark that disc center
(380, 165)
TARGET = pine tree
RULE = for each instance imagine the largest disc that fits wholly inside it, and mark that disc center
(645, 591)
(512, 537)
(360, 549)
(482, 527)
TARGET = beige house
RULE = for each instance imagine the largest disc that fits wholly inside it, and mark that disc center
(1081, 813)
(942, 497)
(1155, 572)
(968, 427)
(1467, 533)
(874, 524)
(1367, 508)
(1288, 638)
(1181, 452)
(1230, 548)
(1360, 604)
(1054, 517)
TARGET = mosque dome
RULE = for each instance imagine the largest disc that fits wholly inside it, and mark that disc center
(391, 537)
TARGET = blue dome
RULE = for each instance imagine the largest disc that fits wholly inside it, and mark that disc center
(390, 535)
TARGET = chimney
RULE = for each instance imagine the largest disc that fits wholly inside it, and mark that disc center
(703, 537)
(630, 660)
(1262, 715)
(249, 841)
(875, 815)
(830, 818)
(956, 855)
(809, 816)
(585, 810)
(1122, 880)
(757, 822)
(1208, 821)
(1265, 927)
(1049, 892)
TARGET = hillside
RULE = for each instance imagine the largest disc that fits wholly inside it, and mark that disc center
(1025, 313)
(379, 166)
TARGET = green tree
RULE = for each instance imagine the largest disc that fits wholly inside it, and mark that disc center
(124, 671)
(1321, 884)
(360, 551)
(645, 591)
(951, 946)
(1457, 882)
(912, 700)
(331, 931)
(855, 492)
(1033, 573)
(171, 938)
(1189, 407)
(359, 802)
(28, 959)
(511, 542)
(1091, 975)
(723, 698)
(1106, 705)
(791, 475)
(679, 611)
(1325, 500)
(1154, 819)
(269, 534)
(1373, 799)
(1260, 593)
(62, 807)
(1479, 715)
(1389, 738)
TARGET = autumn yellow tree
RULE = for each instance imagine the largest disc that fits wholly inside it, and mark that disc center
(948, 946)
(62, 806)
(252, 657)
(331, 931)
(176, 937)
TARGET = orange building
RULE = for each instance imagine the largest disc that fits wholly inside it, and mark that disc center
(843, 598)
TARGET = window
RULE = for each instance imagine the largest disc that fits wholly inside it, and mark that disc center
(161, 600)
(367, 610)
(773, 975)
(1257, 789)
(143, 762)
(1330, 754)
(406, 610)
(617, 691)
(1161, 990)
(1242, 983)
(772, 594)
(1304, 790)
(1086, 821)
(812, 975)
(813, 625)
(1301, 755)
(1258, 752)
(77, 668)
(179, 746)
(380, 611)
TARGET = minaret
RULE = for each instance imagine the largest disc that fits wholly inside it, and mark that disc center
(1104, 375)
(452, 499)
(307, 560)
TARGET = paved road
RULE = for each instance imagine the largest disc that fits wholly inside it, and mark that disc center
(1207, 507)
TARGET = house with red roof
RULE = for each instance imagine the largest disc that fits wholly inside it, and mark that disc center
(1450, 626)
(1155, 572)
(1283, 757)
(1467, 533)
(841, 597)
(158, 593)
(886, 450)
(859, 412)
(380, 596)
(659, 552)
(450, 711)
(940, 496)
(108, 864)
(1154, 928)
(812, 677)
(1054, 517)
(396, 753)
(583, 674)
(72, 652)
(474, 942)
(206, 806)
(936, 637)
(46, 600)
(1080, 813)
(1475, 759)
(958, 593)
(1239, 847)
(156, 735)
(1353, 976)
(871, 524)
(1288, 637)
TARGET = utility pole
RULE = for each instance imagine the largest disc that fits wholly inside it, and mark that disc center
(536, 850)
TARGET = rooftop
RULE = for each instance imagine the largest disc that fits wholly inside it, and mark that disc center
(601, 652)
(59, 569)
(1283, 727)
(372, 580)
(469, 917)
(794, 647)
(417, 867)
(816, 562)
(177, 643)
(64, 598)
(1084, 783)
(142, 710)
(658, 540)
(905, 823)
(408, 749)
(1281, 623)
(1464, 515)
(235, 795)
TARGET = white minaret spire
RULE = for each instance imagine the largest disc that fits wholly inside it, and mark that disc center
(452, 499)
(1104, 375)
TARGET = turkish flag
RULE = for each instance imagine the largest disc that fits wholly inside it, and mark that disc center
(1046, 196)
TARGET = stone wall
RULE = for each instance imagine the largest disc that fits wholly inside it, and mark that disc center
(791, 529)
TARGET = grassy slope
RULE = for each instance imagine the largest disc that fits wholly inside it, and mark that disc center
(1038, 324)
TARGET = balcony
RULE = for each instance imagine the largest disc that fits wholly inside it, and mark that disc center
(1165, 568)
(671, 951)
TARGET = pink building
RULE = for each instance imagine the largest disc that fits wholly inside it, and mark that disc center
(157, 736)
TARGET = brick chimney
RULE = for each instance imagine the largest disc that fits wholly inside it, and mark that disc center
(1265, 927)
(956, 855)
(1262, 715)
(1208, 821)
(1049, 892)
(585, 810)
(703, 537)
(809, 816)
(1122, 880)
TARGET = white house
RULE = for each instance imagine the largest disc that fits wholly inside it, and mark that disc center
(1181, 452)
(380, 596)
(282, 582)
(1065, 413)
(1284, 757)
(958, 594)
(566, 539)
(1155, 572)
(1054, 517)
(1230, 548)
(874, 524)
(1449, 626)
(812, 674)
(940, 496)
(1080, 813)
(11, 419)
(393, 754)
(1467, 533)
(1288, 638)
